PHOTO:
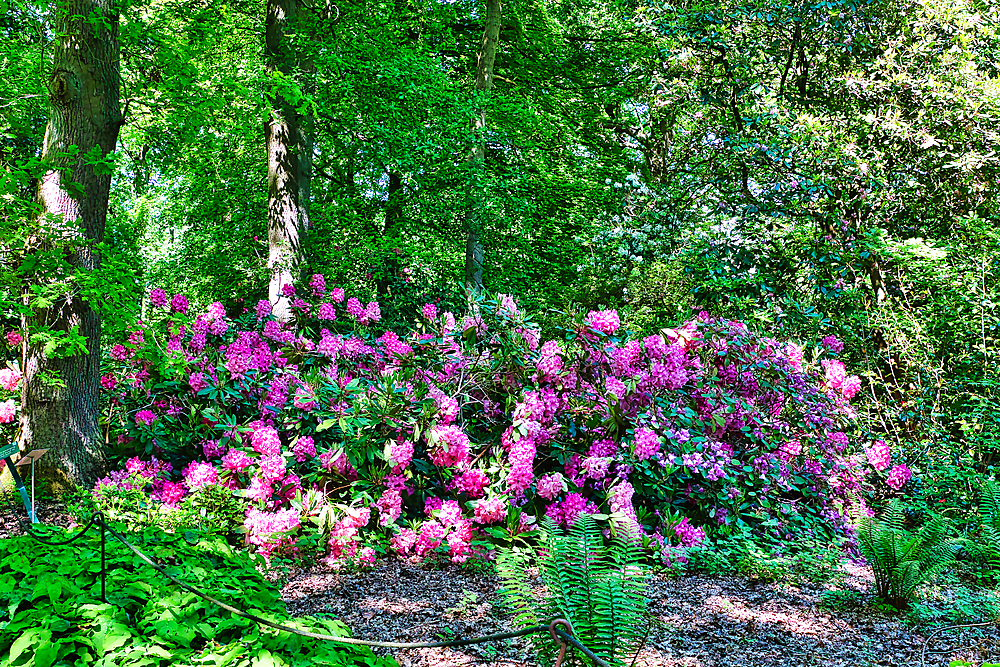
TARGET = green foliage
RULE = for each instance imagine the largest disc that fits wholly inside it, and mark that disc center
(984, 547)
(212, 508)
(949, 602)
(597, 585)
(51, 612)
(902, 559)
(761, 558)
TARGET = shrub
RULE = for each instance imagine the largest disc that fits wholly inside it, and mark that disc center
(51, 611)
(900, 559)
(598, 586)
(469, 426)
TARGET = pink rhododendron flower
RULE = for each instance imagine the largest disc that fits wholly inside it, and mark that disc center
(549, 486)
(14, 338)
(265, 440)
(171, 493)
(898, 477)
(179, 304)
(472, 482)
(108, 381)
(491, 511)
(236, 460)
(318, 285)
(451, 446)
(8, 411)
(879, 455)
(850, 386)
(199, 474)
(157, 298)
(429, 311)
(354, 307)
(647, 443)
(688, 535)
(262, 309)
(197, 382)
(145, 417)
(403, 541)
(605, 321)
(272, 467)
(835, 373)
(9, 378)
(304, 449)
(327, 311)
(833, 344)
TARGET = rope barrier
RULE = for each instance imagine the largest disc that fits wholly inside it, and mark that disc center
(558, 634)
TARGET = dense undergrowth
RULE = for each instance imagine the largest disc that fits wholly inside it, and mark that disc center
(51, 612)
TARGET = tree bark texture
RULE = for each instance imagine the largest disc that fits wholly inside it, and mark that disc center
(289, 164)
(484, 83)
(84, 115)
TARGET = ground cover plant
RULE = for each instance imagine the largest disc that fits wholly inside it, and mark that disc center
(51, 612)
(460, 431)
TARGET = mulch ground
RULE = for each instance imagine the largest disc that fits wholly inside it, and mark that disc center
(699, 621)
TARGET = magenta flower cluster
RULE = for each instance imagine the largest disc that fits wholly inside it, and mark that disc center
(435, 435)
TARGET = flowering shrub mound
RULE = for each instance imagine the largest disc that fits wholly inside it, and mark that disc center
(468, 428)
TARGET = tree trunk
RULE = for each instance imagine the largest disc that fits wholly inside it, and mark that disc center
(85, 116)
(477, 159)
(288, 166)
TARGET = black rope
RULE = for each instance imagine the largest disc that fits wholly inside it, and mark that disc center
(28, 531)
(566, 637)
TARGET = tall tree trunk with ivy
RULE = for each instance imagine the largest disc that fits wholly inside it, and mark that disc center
(289, 148)
(61, 358)
(484, 84)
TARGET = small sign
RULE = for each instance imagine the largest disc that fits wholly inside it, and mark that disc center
(30, 457)
(8, 450)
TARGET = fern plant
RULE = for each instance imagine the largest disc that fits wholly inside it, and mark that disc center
(901, 559)
(986, 547)
(598, 585)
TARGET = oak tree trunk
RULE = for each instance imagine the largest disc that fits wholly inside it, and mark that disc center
(60, 396)
(477, 159)
(289, 164)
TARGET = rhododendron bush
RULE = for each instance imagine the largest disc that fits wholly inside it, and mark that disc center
(470, 427)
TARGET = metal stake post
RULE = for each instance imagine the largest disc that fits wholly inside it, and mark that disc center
(34, 507)
(31, 457)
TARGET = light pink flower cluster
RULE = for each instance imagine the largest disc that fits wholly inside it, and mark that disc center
(8, 411)
(522, 459)
(198, 474)
(270, 530)
(491, 510)
(343, 535)
(9, 378)
(549, 486)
